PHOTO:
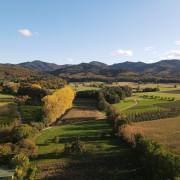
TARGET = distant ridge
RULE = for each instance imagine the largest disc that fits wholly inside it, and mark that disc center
(164, 70)
(41, 66)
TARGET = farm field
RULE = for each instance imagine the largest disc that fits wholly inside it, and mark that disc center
(161, 86)
(137, 104)
(84, 109)
(106, 155)
(165, 131)
(85, 87)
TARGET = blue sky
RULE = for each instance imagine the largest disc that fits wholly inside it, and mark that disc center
(74, 31)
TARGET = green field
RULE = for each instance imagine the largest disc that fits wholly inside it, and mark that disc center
(104, 152)
(165, 131)
(85, 103)
(6, 96)
(136, 104)
(126, 104)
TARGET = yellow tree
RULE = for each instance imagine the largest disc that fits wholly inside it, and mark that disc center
(56, 104)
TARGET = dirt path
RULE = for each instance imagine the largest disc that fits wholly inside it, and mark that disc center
(135, 103)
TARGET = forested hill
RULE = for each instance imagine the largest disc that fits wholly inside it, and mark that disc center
(10, 71)
(16, 73)
(165, 70)
(41, 66)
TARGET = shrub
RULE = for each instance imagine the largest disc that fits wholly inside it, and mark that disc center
(148, 89)
(21, 164)
(28, 147)
(31, 173)
(10, 88)
(20, 160)
(7, 149)
(23, 131)
(157, 162)
(74, 147)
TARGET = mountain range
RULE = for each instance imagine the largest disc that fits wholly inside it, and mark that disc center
(165, 70)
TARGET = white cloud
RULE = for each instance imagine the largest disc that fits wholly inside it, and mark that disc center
(173, 54)
(149, 48)
(25, 32)
(121, 53)
(177, 42)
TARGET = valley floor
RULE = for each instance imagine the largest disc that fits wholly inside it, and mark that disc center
(105, 157)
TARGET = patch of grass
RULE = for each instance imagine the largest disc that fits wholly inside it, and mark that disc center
(165, 131)
(85, 103)
(136, 104)
(6, 96)
(129, 106)
(85, 88)
(145, 105)
(125, 104)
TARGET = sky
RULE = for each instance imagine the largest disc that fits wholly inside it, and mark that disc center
(75, 31)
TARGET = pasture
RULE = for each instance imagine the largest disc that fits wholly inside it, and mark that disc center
(136, 104)
(154, 102)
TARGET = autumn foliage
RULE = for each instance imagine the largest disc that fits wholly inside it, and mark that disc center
(56, 104)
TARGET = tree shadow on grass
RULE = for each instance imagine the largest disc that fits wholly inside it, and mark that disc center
(109, 166)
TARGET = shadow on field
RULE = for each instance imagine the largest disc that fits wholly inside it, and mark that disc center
(94, 167)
